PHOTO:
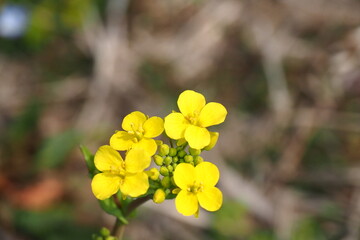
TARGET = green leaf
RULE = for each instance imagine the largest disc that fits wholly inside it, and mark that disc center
(89, 160)
(55, 150)
(109, 206)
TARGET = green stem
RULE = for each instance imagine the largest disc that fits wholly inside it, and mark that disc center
(119, 227)
(118, 230)
(135, 204)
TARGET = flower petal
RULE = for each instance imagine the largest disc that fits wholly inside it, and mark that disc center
(207, 173)
(135, 185)
(149, 145)
(175, 125)
(184, 175)
(197, 137)
(186, 203)
(137, 160)
(106, 158)
(190, 102)
(122, 140)
(104, 185)
(133, 121)
(210, 198)
(153, 127)
(212, 114)
(214, 136)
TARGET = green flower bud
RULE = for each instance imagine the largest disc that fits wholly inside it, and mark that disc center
(111, 238)
(164, 150)
(174, 165)
(95, 236)
(104, 232)
(188, 158)
(166, 182)
(158, 160)
(164, 171)
(159, 196)
(167, 160)
(170, 168)
(153, 174)
(175, 159)
(198, 159)
(172, 152)
(194, 152)
(181, 154)
(181, 142)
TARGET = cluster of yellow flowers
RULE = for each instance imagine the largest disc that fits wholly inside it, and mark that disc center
(180, 171)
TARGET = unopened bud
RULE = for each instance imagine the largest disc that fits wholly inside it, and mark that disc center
(164, 150)
(158, 160)
(153, 174)
(166, 182)
(172, 152)
(164, 171)
(194, 152)
(214, 136)
(198, 159)
(188, 158)
(159, 196)
(104, 232)
(170, 168)
(181, 154)
(167, 160)
(175, 159)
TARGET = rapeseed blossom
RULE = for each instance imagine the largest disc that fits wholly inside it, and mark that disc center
(194, 118)
(197, 186)
(127, 175)
(139, 131)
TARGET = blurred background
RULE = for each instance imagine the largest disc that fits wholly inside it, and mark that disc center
(287, 71)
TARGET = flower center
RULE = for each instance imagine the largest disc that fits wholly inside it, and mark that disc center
(138, 133)
(196, 187)
(193, 117)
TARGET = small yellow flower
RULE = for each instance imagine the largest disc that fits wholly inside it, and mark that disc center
(194, 118)
(139, 131)
(197, 185)
(128, 175)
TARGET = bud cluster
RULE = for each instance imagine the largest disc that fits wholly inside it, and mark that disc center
(167, 159)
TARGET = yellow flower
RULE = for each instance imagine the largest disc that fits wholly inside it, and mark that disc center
(128, 175)
(194, 118)
(197, 185)
(139, 131)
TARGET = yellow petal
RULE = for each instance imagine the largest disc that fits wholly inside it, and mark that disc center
(190, 102)
(153, 127)
(104, 185)
(149, 146)
(214, 136)
(207, 173)
(135, 185)
(122, 140)
(197, 137)
(210, 198)
(136, 160)
(186, 203)
(133, 121)
(106, 158)
(175, 125)
(212, 114)
(184, 175)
